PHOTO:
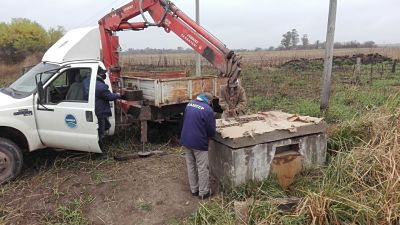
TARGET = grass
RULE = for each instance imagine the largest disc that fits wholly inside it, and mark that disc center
(98, 177)
(298, 91)
(143, 205)
(362, 185)
(71, 213)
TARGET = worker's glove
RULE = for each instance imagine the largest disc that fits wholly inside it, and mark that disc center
(121, 94)
(120, 101)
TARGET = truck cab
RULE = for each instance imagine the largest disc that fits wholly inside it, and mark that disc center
(46, 106)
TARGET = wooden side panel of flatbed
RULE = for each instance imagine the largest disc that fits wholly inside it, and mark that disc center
(169, 91)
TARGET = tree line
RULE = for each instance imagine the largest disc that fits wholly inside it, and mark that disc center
(22, 37)
(291, 40)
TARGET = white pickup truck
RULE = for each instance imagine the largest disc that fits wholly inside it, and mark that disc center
(45, 107)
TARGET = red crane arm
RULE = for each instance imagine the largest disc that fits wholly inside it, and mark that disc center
(171, 18)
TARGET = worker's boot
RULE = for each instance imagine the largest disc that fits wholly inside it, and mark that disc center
(103, 155)
(205, 196)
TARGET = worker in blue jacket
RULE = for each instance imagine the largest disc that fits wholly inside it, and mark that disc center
(198, 127)
(103, 96)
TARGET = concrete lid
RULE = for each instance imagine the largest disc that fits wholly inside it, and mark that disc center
(265, 127)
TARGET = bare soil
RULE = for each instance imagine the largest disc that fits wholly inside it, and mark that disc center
(73, 189)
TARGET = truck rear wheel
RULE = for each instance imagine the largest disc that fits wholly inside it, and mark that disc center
(11, 160)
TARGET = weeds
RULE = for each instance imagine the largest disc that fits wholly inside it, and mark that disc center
(98, 177)
(67, 215)
(71, 213)
(6, 214)
(143, 205)
(57, 193)
(212, 213)
(363, 185)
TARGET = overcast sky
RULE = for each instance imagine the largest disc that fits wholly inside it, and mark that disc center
(237, 23)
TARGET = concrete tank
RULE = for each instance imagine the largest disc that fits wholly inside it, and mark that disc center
(245, 147)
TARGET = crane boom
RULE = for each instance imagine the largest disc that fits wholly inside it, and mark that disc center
(171, 18)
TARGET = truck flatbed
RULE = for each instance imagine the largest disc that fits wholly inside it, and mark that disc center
(171, 88)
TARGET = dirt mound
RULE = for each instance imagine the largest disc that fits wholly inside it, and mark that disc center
(317, 63)
(304, 64)
(365, 58)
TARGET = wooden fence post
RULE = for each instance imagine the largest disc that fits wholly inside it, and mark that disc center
(357, 71)
(370, 76)
(394, 66)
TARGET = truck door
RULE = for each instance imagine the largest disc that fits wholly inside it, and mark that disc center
(67, 118)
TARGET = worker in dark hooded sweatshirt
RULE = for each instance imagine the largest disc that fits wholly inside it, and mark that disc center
(198, 127)
(102, 103)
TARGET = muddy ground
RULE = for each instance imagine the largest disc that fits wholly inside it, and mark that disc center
(71, 188)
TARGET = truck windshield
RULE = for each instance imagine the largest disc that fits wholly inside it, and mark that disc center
(26, 84)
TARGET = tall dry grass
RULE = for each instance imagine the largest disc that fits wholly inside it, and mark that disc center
(259, 58)
(362, 186)
(9, 73)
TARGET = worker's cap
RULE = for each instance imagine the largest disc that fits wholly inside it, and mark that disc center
(101, 71)
(204, 97)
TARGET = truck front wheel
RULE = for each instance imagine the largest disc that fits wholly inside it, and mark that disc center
(10, 160)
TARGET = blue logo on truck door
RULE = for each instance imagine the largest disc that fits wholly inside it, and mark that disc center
(70, 120)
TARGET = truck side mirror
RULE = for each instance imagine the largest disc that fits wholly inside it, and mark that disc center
(40, 91)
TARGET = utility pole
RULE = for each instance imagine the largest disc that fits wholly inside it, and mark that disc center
(198, 59)
(330, 34)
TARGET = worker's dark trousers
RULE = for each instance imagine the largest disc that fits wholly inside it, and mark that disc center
(103, 126)
(198, 173)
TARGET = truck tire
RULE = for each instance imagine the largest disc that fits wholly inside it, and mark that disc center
(11, 160)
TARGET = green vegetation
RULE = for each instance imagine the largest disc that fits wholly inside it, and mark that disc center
(22, 37)
(143, 205)
(70, 213)
(295, 88)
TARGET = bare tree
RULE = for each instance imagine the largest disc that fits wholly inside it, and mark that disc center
(317, 44)
(305, 41)
(369, 44)
(286, 40)
(294, 38)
